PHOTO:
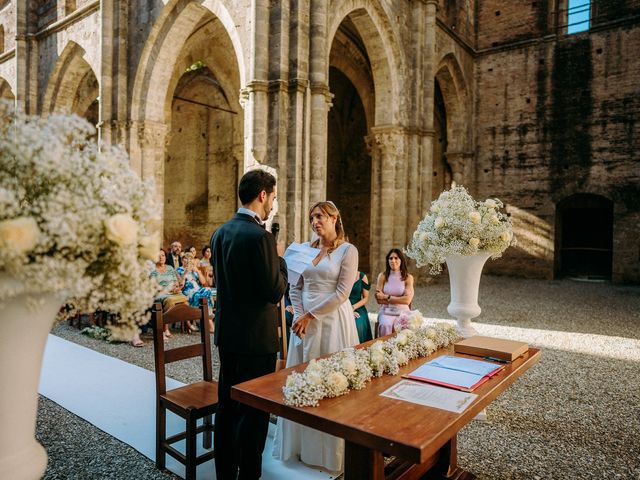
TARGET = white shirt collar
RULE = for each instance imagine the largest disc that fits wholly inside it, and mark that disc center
(246, 211)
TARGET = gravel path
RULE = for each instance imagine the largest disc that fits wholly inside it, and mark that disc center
(575, 415)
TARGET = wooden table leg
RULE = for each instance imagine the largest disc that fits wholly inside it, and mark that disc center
(362, 463)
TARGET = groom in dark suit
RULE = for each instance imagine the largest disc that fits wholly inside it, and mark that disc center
(251, 279)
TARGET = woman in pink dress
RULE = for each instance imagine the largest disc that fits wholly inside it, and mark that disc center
(394, 291)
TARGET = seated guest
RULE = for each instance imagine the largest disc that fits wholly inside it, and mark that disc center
(394, 291)
(174, 259)
(194, 288)
(206, 267)
(168, 278)
(192, 251)
(359, 297)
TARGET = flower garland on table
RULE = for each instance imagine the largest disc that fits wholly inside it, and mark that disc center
(352, 368)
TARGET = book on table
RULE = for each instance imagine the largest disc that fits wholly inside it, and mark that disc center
(491, 348)
(464, 374)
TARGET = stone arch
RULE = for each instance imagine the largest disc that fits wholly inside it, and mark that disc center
(170, 32)
(186, 110)
(73, 86)
(385, 55)
(454, 93)
(6, 93)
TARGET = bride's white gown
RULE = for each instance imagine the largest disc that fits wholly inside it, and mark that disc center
(324, 291)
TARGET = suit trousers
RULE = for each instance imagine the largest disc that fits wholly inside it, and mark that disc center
(240, 431)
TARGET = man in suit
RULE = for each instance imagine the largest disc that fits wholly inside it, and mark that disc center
(174, 258)
(251, 279)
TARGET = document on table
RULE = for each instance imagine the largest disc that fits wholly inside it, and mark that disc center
(298, 258)
(430, 396)
(456, 372)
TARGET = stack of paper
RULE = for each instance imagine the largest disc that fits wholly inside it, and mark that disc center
(455, 372)
(299, 257)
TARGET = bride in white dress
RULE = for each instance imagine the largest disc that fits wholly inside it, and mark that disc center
(323, 318)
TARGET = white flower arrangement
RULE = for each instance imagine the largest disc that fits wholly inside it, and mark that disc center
(75, 219)
(351, 369)
(457, 224)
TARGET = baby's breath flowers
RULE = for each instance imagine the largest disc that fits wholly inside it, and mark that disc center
(74, 219)
(457, 224)
(351, 368)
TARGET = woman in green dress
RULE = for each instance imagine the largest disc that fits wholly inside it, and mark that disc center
(359, 297)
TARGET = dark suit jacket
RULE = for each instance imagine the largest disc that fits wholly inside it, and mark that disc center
(251, 279)
(170, 260)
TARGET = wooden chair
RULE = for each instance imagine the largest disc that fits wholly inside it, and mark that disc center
(282, 336)
(192, 402)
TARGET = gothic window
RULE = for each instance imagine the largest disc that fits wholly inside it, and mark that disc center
(578, 16)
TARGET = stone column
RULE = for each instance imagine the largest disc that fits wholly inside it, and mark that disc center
(254, 94)
(459, 163)
(295, 61)
(149, 141)
(26, 101)
(387, 147)
(113, 127)
(320, 100)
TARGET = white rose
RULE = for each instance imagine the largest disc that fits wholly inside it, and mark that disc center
(19, 235)
(439, 223)
(122, 229)
(377, 358)
(490, 203)
(474, 217)
(338, 381)
(349, 366)
(314, 366)
(402, 358)
(314, 378)
(149, 246)
(474, 242)
(401, 338)
(505, 236)
(494, 219)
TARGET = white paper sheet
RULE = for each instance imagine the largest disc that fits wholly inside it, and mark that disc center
(298, 258)
(430, 396)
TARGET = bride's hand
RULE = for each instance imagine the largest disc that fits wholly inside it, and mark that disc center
(299, 327)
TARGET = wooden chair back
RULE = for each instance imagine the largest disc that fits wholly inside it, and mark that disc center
(282, 336)
(179, 314)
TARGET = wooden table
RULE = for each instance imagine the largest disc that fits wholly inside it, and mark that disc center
(423, 439)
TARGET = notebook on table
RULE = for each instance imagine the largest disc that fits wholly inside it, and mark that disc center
(460, 373)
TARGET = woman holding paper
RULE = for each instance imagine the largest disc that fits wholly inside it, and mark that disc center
(323, 323)
(394, 291)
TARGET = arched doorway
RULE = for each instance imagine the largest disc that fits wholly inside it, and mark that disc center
(187, 90)
(584, 239)
(6, 93)
(349, 164)
(442, 174)
(73, 86)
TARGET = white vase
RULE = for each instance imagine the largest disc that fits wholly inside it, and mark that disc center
(23, 335)
(464, 278)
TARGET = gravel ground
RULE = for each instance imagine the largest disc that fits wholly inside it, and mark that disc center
(575, 415)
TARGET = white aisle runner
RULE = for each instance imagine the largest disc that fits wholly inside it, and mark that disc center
(119, 399)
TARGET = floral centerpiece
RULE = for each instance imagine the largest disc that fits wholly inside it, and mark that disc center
(351, 369)
(75, 219)
(458, 225)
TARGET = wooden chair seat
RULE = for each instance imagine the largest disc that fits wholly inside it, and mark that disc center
(193, 402)
(198, 396)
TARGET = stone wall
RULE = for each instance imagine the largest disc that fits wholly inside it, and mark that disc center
(558, 117)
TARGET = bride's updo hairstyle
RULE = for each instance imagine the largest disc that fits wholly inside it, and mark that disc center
(330, 210)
